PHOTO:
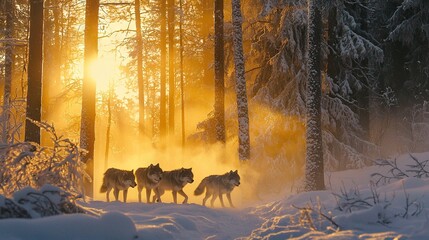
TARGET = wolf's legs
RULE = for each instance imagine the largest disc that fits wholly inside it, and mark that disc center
(221, 200)
(208, 194)
(139, 190)
(175, 196)
(158, 198)
(157, 195)
(213, 199)
(116, 193)
(107, 194)
(181, 192)
(228, 195)
(125, 194)
(148, 192)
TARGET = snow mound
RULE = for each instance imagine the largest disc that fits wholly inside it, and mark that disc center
(112, 225)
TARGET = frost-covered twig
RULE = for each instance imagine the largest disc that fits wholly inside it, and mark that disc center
(418, 168)
(394, 171)
(305, 217)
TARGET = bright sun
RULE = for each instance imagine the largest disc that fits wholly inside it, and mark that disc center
(104, 70)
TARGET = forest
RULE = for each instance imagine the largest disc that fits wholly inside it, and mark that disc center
(283, 91)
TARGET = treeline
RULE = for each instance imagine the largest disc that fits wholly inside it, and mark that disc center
(177, 58)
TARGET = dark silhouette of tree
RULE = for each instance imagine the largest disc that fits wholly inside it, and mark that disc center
(171, 68)
(219, 61)
(87, 131)
(139, 42)
(163, 81)
(182, 90)
(34, 87)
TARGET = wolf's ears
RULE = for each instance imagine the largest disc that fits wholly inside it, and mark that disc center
(157, 165)
(236, 171)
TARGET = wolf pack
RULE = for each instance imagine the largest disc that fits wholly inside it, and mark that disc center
(154, 179)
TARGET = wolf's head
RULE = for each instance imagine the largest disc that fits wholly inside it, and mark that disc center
(129, 179)
(186, 175)
(154, 173)
(234, 178)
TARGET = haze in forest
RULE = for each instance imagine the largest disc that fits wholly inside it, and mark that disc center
(371, 108)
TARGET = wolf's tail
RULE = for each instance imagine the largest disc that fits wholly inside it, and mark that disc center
(103, 187)
(201, 187)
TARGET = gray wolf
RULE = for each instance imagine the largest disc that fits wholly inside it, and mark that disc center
(117, 180)
(175, 180)
(217, 185)
(148, 178)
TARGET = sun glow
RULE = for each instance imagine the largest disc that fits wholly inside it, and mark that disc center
(104, 70)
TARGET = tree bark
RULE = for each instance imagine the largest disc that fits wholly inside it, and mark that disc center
(87, 132)
(140, 80)
(171, 68)
(242, 108)
(182, 88)
(163, 100)
(207, 21)
(219, 72)
(34, 87)
(314, 171)
(8, 69)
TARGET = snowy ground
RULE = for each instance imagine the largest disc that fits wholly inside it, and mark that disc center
(398, 209)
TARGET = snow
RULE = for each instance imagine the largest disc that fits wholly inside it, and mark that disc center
(396, 209)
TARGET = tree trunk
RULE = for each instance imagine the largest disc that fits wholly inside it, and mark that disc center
(8, 70)
(242, 109)
(87, 132)
(109, 124)
(163, 100)
(139, 42)
(34, 87)
(314, 172)
(219, 73)
(182, 90)
(171, 68)
(207, 21)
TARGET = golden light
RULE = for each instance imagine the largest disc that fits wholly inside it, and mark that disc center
(104, 70)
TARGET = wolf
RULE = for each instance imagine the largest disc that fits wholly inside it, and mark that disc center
(175, 180)
(217, 185)
(148, 178)
(117, 180)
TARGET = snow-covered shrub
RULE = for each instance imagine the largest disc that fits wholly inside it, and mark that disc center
(47, 201)
(29, 164)
(10, 209)
(31, 203)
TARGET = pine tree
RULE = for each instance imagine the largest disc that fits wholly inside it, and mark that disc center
(171, 68)
(242, 107)
(314, 173)
(139, 43)
(87, 132)
(163, 81)
(34, 89)
(219, 111)
(8, 69)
